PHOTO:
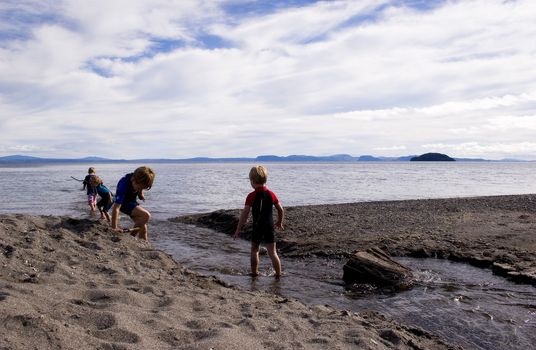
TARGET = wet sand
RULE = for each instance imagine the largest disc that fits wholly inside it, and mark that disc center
(497, 232)
(74, 284)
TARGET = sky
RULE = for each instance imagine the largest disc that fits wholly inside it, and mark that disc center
(240, 78)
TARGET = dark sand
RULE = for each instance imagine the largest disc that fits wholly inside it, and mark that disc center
(497, 232)
(75, 284)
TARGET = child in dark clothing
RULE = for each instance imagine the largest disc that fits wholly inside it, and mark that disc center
(91, 190)
(129, 189)
(106, 201)
(261, 201)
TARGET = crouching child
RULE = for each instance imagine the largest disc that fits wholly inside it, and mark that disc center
(129, 189)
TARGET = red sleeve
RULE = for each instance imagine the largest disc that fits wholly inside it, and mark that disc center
(250, 199)
(274, 198)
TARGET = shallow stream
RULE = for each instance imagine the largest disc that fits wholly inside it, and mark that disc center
(465, 305)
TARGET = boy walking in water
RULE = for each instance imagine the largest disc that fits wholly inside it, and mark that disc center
(91, 190)
(129, 189)
(260, 202)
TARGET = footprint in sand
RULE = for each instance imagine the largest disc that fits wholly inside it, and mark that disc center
(198, 306)
(176, 337)
(88, 245)
(92, 320)
(165, 302)
(196, 324)
(116, 335)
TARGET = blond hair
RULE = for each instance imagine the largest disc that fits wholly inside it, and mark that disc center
(258, 175)
(91, 170)
(144, 176)
(95, 181)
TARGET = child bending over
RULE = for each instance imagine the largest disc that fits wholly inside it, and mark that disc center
(106, 197)
(129, 189)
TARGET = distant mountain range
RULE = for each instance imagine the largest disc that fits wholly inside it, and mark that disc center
(21, 159)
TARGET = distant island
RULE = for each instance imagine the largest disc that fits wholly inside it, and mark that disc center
(346, 158)
(432, 157)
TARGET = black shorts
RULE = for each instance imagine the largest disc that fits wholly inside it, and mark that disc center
(128, 207)
(267, 236)
(104, 204)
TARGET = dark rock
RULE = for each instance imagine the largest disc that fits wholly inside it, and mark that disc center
(480, 262)
(390, 336)
(8, 250)
(375, 267)
(502, 269)
(420, 253)
(522, 277)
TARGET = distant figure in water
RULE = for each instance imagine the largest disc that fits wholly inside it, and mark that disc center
(260, 202)
(129, 189)
(106, 197)
(91, 191)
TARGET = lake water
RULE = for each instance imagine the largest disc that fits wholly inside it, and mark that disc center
(468, 306)
(191, 188)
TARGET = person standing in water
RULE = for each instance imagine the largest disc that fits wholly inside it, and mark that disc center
(260, 202)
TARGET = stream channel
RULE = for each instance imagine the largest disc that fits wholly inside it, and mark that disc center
(465, 305)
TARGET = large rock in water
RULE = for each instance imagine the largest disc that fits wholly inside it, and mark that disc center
(373, 266)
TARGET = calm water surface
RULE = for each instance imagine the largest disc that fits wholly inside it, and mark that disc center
(466, 305)
(192, 188)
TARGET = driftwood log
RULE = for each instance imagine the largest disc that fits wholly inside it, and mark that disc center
(373, 266)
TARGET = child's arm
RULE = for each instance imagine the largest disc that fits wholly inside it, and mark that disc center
(243, 218)
(115, 215)
(280, 216)
(141, 196)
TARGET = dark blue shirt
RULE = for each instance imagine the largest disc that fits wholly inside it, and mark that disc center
(125, 191)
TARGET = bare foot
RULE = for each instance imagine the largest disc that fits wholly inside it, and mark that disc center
(133, 231)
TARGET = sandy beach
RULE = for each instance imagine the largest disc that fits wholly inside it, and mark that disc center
(74, 284)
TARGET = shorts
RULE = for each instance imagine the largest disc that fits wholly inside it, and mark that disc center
(266, 235)
(104, 204)
(91, 199)
(127, 208)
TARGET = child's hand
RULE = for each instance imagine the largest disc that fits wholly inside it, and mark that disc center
(236, 235)
(279, 226)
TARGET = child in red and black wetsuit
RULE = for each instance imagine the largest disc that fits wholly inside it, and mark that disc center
(260, 202)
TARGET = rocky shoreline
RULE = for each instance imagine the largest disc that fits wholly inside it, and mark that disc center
(495, 232)
(74, 284)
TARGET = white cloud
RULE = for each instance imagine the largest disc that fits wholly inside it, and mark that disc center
(332, 77)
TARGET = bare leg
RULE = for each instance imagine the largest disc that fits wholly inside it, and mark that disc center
(272, 252)
(254, 259)
(93, 207)
(141, 217)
